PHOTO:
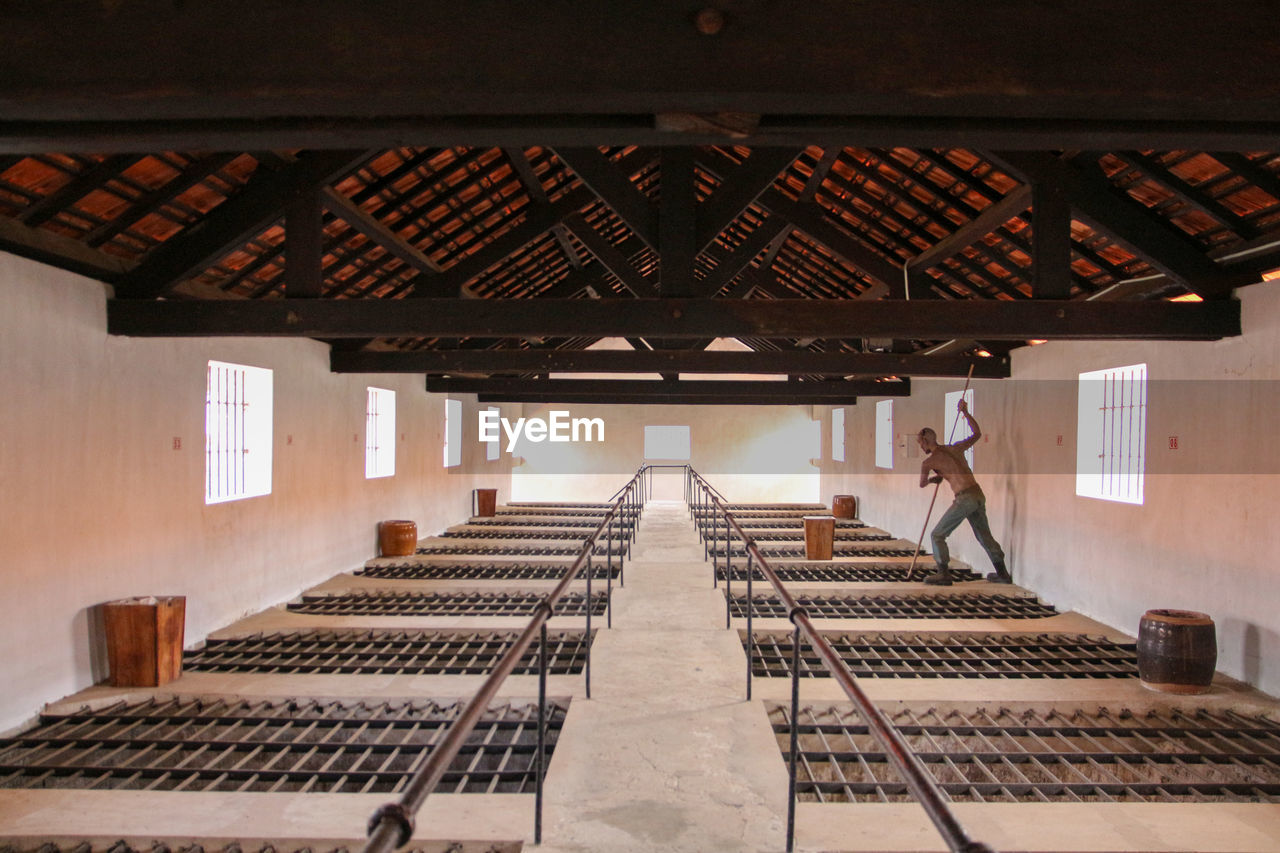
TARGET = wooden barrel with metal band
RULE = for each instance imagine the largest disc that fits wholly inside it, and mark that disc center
(1177, 651)
(397, 538)
(844, 506)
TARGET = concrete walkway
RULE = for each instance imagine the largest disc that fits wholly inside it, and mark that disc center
(667, 754)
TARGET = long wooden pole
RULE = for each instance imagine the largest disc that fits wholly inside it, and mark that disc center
(938, 485)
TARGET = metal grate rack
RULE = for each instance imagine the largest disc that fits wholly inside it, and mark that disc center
(839, 549)
(1041, 754)
(598, 515)
(384, 652)
(827, 572)
(567, 535)
(961, 606)
(522, 521)
(298, 745)
(958, 655)
(795, 535)
(797, 524)
(483, 571)
(408, 603)
(517, 550)
(148, 844)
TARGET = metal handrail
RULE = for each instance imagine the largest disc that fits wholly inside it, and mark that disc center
(922, 785)
(392, 825)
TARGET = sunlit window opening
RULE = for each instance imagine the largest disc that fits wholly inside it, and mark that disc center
(837, 435)
(1111, 434)
(380, 433)
(237, 432)
(884, 434)
(955, 427)
(492, 449)
(452, 433)
(667, 443)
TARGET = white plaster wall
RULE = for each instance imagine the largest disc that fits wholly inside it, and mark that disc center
(1205, 537)
(749, 453)
(97, 505)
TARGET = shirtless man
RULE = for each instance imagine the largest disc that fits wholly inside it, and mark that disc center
(947, 462)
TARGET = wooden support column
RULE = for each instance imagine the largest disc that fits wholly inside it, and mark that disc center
(676, 223)
(1051, 239)
(304, 248)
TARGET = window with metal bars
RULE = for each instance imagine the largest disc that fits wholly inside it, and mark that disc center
(1111, 430)
(237, 432)
(837, 435)
(380, 433)
(452, 433)
(884, 434)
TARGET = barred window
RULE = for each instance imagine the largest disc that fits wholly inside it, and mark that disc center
(884, 434)
(380, 433)
(452, 433)
(1111, 434)
(837, 435)
(237, 432)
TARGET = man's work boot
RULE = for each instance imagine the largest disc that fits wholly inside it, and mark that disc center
(941, 577)
(1001, 574)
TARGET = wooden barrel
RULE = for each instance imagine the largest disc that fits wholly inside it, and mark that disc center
(819, 535)
(397, 538)
(1177, 651)
(486, 503)
(844, 506)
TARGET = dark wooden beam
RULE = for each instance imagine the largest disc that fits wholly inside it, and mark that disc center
(236, 220)
(1191, 196)
(304, 248)
(677, 217)
(679, 318)
(740, 189)
(997, 214)
(811, 218)
(48, 247)
(610, 257)
(614, 189)
(368, 225)
(540, 219)
(1050, 240)
(785, 362)
(238, 67)
(147, 204)
(820, 171)
(661, 387)
(692, 399)
(1097, 203)
(756, 242)
(75, 189)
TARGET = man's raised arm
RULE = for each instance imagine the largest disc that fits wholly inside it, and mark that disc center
(963, 406)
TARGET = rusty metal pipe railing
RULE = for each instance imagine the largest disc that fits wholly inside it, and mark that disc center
(392, 825)
(897, 751)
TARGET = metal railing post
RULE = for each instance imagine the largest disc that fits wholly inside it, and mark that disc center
(728, 577)
(751, 638)
(587, 663)
(608, 574)
(795, 739)
(542, 733)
